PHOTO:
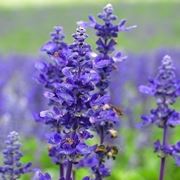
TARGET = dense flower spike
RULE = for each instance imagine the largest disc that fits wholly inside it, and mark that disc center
(104, 116)
(165, 88)
(77, 82)
(13, 168)
(107, 33)
(56, 43)
(70, 88)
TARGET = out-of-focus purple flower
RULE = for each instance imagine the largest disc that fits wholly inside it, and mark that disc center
(56, 43)
(86, 178)
(18, 87)
(165, 88)
(41, 176)
(13, 168)
(176, 153)
(172, 150)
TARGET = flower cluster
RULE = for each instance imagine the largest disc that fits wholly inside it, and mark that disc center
(164, 150)
(77, 82)
(105, 116)
(70, 82)
(165, 88)
(106, 33)
(13, 168)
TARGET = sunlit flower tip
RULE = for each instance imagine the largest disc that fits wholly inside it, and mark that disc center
(57, 34)
(82, 23)
(93, 54)
(81, 29)
(56, 43)
(167, 60)
(108, 8)
(58, 28)
(80, 34)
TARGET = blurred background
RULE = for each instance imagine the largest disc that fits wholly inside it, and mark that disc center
(25, 27)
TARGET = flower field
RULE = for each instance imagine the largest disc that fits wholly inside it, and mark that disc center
(89, 90)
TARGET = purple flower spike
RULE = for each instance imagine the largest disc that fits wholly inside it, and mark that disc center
(70, 81)
(56, 43)
(165, 88)
(77, 84)
(104, 116)
(13, 168)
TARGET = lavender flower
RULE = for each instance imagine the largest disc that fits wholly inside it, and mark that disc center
(70, 82)
(56, 43)
(107, 33)
(165, 88)
(104, 116)
(13, 168)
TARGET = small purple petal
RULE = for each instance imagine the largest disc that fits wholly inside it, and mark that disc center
(146, 90)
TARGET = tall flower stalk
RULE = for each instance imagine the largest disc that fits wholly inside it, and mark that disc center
(165, 88)
(13, 168)
(70, 82)
(105, 116)
(77, 82)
